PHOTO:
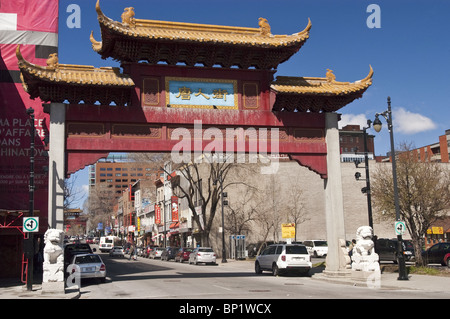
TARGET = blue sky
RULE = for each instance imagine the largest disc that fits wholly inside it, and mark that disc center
(410, 52)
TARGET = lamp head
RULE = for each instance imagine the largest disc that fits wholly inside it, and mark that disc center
(377, 124)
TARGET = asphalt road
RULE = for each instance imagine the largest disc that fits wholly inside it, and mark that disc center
(156, 279)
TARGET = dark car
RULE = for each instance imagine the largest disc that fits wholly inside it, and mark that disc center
(437, 254)
(169, 253)
(183, 254)
(387, 249)
(71, 250)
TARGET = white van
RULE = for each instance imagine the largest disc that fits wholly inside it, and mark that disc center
(316, 248)
(106, 243)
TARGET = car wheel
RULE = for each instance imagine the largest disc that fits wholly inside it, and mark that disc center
(258, 269)
(275, 270)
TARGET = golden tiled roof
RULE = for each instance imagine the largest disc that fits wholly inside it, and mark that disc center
(73, 74)
(320, 86)
(199, 33)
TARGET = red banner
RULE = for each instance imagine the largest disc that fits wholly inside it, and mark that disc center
(174, 209)
(34, 26)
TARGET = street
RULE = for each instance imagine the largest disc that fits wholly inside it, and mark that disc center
(148, 278)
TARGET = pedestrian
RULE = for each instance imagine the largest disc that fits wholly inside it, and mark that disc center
(131, 251)
(350, 248)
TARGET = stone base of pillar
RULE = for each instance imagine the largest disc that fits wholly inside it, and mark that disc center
(344, 273)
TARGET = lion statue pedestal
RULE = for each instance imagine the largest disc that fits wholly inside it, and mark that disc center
(53, 276)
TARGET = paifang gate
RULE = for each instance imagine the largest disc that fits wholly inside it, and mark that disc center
(175, 75)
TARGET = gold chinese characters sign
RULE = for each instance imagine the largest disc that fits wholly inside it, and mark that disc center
(201, 93)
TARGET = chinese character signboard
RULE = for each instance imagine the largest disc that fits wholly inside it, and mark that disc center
(157, 214)
(201, 93)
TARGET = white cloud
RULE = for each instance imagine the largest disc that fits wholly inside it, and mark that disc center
(407, 122)
(353, 119)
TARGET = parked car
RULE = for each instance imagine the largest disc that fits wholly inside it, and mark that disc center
(202, 255)
(183, 254)
(71, 250)
(437, 254)
(387, 249)
(316, 248)
(91, 266)
(117, 251)
(156, 252)
(281, 258)
(90, 240)
(169, 253)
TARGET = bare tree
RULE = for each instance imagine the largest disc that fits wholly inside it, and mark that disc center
(72, 193)
(296, 206)
(242, 211)
(203, 188)
(100, 205)
(423, 191)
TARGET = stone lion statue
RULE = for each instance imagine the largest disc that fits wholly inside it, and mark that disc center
(363, 256)
(53, 255)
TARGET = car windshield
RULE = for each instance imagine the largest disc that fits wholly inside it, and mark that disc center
(79, 248)
(320, 243)
(87, 259)
(297, 250)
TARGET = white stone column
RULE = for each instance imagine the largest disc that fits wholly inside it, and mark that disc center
(334, 208)
(56, 172)
(53, 278)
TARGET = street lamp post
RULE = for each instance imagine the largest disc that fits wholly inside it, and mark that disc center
(366, 189)
(377, 127)
(220, 180)
(30, 268)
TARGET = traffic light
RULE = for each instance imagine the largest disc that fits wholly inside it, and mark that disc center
(357, 175)
(364, 190)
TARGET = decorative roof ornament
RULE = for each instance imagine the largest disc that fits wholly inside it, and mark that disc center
(128, 17)
(331, 78)
(264, 27)
(52, 61)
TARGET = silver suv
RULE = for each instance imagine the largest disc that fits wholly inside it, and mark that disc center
(280, 258)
